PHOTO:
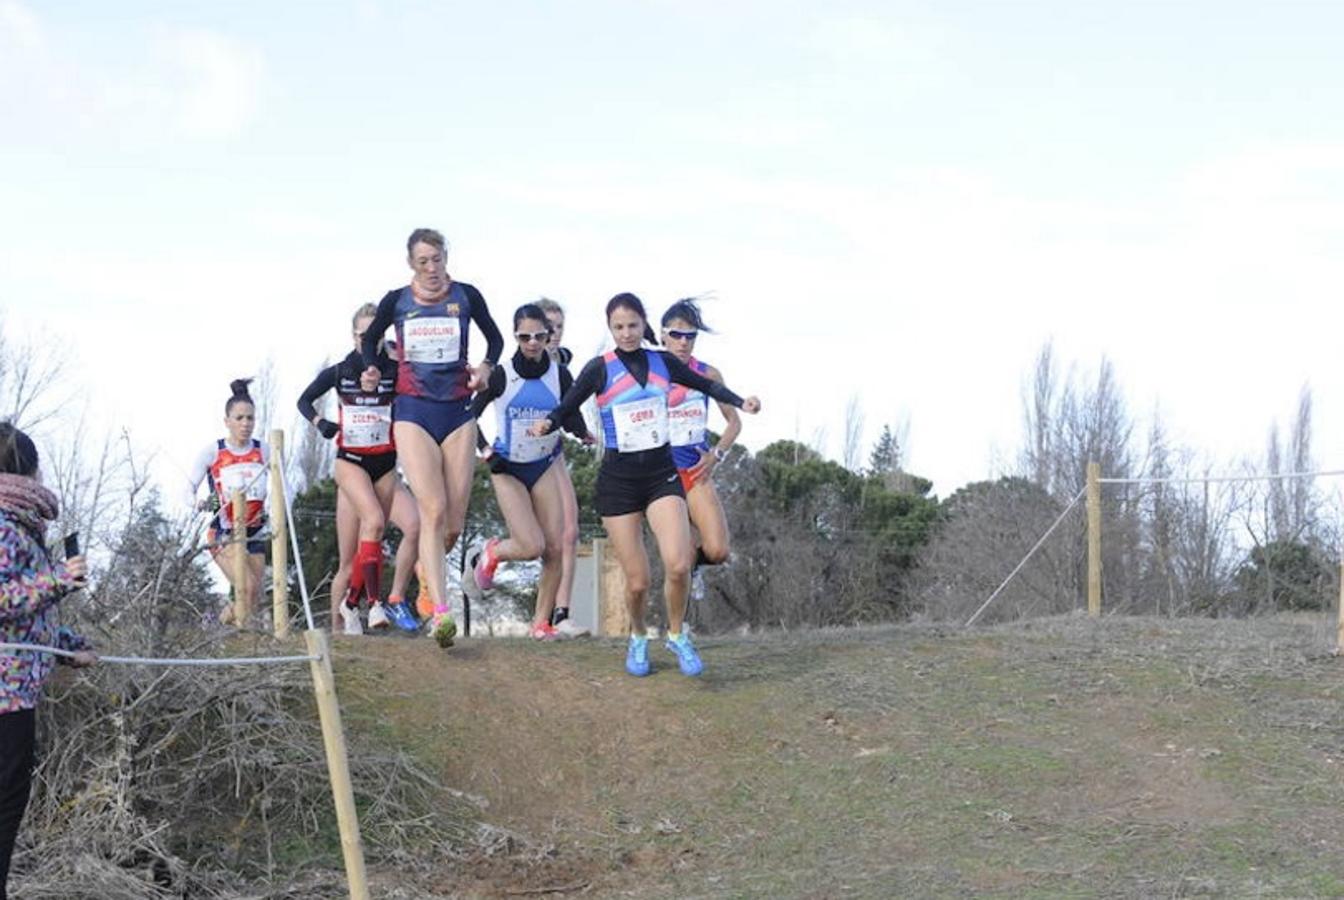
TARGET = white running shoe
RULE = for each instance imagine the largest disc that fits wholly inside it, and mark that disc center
(697, 584)
(378, 616)
(350, 616)
(568, 629)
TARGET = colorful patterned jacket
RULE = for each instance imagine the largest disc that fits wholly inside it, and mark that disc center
(30, 586)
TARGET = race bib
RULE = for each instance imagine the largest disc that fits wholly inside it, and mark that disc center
(524, 448)
(246, 477)
(432, 340)
(640, 424)
(687, 424)
(365, 426)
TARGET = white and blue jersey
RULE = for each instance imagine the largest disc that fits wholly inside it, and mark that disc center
(524, 402)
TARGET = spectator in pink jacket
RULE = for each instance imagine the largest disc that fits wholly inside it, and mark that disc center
(31, 584)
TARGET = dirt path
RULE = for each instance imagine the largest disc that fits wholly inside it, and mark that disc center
(1068, 758)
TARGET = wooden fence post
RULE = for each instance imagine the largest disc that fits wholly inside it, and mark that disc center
(338, 764)
(241, 607)
(279, 539)
(1339, 629)
(1094, 539)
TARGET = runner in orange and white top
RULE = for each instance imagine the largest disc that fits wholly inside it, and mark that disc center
(236, 462)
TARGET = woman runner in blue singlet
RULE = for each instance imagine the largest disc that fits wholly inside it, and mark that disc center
(525, 470)
(637, 478)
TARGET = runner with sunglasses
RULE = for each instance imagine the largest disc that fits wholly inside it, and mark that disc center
(688, 414)
(637, 478)
(523, 469)
(569, 540)
(366, 476)
(431, 415)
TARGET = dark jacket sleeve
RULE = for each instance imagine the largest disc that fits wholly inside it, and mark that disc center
(480, 314)
(484, 398)
(591, 381)
(575, 424)
(683, 374)
(382, 320)
(325, 381)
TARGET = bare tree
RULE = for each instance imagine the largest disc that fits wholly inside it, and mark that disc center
(1302, 502)
(29, 374)
(313, 454)
(263, 392)
(852, 446)
(1038, 403)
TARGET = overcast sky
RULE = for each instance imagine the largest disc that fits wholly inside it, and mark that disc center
(900, 201)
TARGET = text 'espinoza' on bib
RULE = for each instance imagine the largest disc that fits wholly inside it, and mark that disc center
(245, 477)
(524, 448)
(432, 340)
(687, 425)
(640, 424)
(365, 426)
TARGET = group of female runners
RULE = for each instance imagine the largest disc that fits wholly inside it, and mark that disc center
(417, 406)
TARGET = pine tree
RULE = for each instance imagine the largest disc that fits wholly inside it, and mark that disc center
(886, 456)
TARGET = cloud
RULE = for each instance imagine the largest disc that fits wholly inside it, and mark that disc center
(140, 85)
(19, 27)
(219, 95)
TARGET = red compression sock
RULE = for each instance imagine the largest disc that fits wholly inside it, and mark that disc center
(369, 564)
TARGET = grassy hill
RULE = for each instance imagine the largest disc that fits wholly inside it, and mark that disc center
(1119, 758)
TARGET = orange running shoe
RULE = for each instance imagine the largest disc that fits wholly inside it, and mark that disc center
(423, 605)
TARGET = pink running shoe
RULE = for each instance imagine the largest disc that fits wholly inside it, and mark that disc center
(483, 570)
(544, 632)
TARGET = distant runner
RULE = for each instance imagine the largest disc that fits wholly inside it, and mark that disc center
(236, 462)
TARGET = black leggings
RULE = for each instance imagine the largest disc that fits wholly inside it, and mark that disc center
(18, 739)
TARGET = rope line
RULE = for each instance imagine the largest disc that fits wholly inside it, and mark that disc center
(165, 660)
(294, 546)
(1030, 554)
(1280, 476)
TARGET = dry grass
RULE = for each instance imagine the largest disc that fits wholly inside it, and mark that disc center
(1057, 758)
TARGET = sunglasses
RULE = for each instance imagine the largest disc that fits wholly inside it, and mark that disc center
(540, 337)
(682, 335)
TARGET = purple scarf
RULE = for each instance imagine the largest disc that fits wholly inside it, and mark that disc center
(26, 500)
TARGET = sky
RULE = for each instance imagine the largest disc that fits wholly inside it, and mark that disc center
(895, 202)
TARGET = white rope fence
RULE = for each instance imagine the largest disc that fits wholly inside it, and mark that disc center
(1215, 479)
(294, 545)
(1030, 553)
(165, 660)
(208, 662)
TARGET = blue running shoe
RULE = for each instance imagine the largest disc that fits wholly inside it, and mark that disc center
(401, 617)
(687, 659)
(637, 656)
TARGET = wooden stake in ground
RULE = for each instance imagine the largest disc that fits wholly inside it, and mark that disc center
(338, 764)
(241, 606)
(279, 538)
(1339, 629)
(1094, 539)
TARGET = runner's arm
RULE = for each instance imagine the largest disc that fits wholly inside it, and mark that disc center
(681, 373)
(592, 380)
